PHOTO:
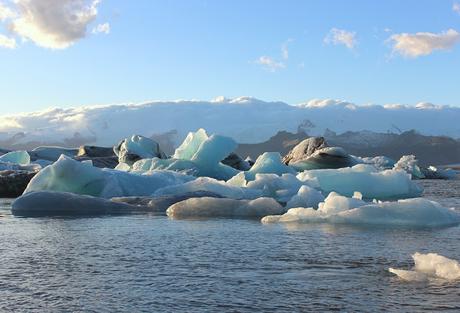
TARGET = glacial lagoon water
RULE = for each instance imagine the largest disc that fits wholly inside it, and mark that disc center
(148, 263)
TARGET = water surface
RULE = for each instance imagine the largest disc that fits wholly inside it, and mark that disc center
(145, 263)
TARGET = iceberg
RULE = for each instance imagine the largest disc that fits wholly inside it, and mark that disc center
(306, 197)
(337, 209)
(282, 188)
(409, 164)
(68, 175)
(198, 155)
(228, 208)
(314, 153)
(51, 153)
(268, 163)
(16, 157)
(371, 183)
(429, 266)
(137, 147)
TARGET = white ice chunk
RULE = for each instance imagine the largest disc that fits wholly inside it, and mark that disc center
(137, 147)
(372, 184)
(68, 175)
(190, 145)
(16, 157)
(428, 266)
(418, 212)
(409, 164)
(221, 207)
(212, 185)
(306, 197)
(268, 163)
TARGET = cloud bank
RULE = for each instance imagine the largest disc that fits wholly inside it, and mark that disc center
(246, 119)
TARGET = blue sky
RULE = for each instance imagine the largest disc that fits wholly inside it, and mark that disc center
(291, 51)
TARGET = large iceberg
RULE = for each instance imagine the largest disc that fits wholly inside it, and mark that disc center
(371, 183)
(429, 266)
(218, 207)
(68, 175)
(198, 155)
(337, 209)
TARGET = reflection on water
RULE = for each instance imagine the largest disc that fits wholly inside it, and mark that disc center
(151, 263)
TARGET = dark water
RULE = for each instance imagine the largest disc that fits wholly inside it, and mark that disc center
(143, 263)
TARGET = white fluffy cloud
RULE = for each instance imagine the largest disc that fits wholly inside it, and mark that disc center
(7, 42)
(341, 37)
(423, 43)
(269, 63)
(54, 24)
(456, 7)
(102, 28)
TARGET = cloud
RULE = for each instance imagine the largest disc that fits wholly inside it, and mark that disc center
(420, 44)
(102, 28)
(7, 42)
(54, 24)
(6, 12)
(285, 50)
(341, 37)
(456, 7)
(269, 63)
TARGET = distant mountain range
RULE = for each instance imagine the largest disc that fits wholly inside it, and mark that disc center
(429, 150)
(247, 120)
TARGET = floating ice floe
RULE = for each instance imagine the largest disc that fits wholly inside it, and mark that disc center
(380, 162)
(68, 175)
(281, 188)
(429, 266)
(52, 203)
(306, 197)
(337, 209)
(55, 203)
(229, 208)
(371, 183)
(211, 185)
(162, 203)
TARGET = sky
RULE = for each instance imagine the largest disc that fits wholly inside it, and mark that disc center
(67, 53)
